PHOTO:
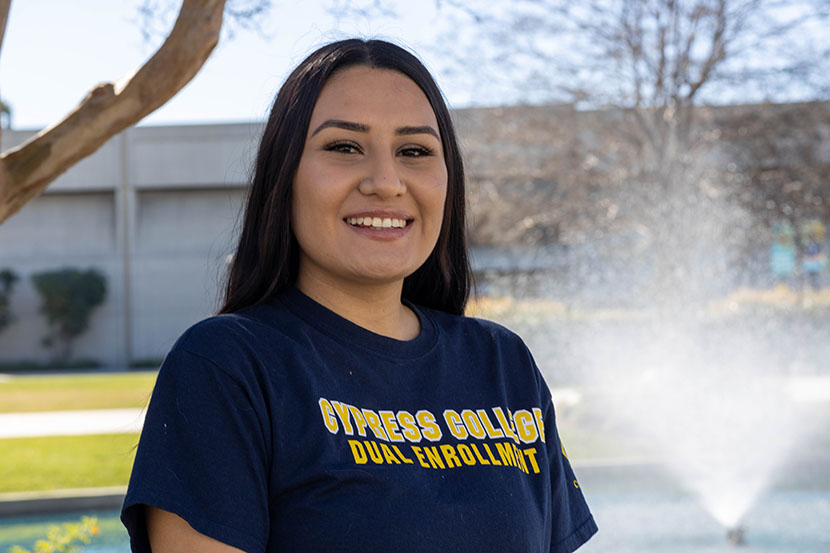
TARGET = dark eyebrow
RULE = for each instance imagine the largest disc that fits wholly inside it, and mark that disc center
(360, 127)
(347, 125)
(426, 129)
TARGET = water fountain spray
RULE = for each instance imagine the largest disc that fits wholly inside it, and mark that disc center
(721, 423)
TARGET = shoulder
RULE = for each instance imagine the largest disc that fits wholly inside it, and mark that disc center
(478, 333)
(490, 351)
(220, 330)
(232, 340)
(470, 325)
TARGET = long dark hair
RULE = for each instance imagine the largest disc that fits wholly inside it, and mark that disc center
(267, 257)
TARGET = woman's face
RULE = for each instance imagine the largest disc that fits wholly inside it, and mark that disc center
(369, 192)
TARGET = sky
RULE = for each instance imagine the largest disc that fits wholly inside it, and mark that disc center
(55, 51)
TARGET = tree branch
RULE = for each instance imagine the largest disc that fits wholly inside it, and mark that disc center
(110, 108)
(5, 6)
(717, 51)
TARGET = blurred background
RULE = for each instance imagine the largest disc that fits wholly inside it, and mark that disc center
(649, 195)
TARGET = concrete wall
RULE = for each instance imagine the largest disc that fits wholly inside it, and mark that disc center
(155, 210)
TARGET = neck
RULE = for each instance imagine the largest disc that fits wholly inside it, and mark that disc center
(375, 307)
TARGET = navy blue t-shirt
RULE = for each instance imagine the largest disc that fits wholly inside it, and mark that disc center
(287, 428)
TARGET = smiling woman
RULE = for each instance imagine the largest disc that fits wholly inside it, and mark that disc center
(267, 259)
(340, 401)
(368, 197)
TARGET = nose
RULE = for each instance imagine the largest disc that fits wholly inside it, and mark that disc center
(382, 178)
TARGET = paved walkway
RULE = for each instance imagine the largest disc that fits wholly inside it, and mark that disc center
(67, 423)
(117, 421)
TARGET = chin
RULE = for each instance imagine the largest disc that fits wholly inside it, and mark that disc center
(385, 275)
(385, 270)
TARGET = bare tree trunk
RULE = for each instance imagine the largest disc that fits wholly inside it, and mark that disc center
(5, 6)
(109, 108)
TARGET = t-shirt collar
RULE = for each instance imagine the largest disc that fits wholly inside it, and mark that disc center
(342, 330)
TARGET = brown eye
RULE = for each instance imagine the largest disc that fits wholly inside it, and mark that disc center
(343, 148)
(416, 151)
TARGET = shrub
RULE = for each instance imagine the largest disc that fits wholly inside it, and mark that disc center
(67, 538)
(8, 278)
(68, 297)
(146, 363)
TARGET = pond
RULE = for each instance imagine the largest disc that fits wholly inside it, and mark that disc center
(642, 509)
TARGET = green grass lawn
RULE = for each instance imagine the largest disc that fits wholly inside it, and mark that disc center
(75, 391)
(58, 462)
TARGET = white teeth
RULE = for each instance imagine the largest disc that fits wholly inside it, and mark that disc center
(376, 222)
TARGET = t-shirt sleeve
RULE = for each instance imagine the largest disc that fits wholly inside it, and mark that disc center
(573, 523)
(202, 455)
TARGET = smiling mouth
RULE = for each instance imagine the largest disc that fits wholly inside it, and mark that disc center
(378, 222)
